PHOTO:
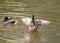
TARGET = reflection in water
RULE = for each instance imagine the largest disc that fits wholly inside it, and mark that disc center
(34, 36)
(27, 38)
(37, 37)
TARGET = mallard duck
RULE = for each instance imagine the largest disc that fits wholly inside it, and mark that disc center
(34, 24)
(7, 20)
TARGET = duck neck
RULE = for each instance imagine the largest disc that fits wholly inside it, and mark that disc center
(33, 19)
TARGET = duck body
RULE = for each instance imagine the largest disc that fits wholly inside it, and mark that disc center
(34, 24)
(9, 20)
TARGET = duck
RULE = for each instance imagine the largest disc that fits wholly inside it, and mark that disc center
(8, 20)
(34, 24)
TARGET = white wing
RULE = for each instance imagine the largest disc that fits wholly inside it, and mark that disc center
(43, 22)
(26, 20)
(11, 21)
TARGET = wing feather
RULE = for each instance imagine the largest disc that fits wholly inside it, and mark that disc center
(43, 22)
(26, 20)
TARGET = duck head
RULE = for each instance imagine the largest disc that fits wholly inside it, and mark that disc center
(33, 17)
(6, 19)
(33, 20)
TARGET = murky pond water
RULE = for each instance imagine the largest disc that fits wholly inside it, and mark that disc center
(41, 9)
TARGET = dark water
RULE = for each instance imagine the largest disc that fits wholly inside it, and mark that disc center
(41, 9)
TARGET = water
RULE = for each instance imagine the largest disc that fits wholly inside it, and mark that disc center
(41, 9)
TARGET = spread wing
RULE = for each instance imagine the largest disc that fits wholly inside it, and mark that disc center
(43, 22)
(26, 20)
